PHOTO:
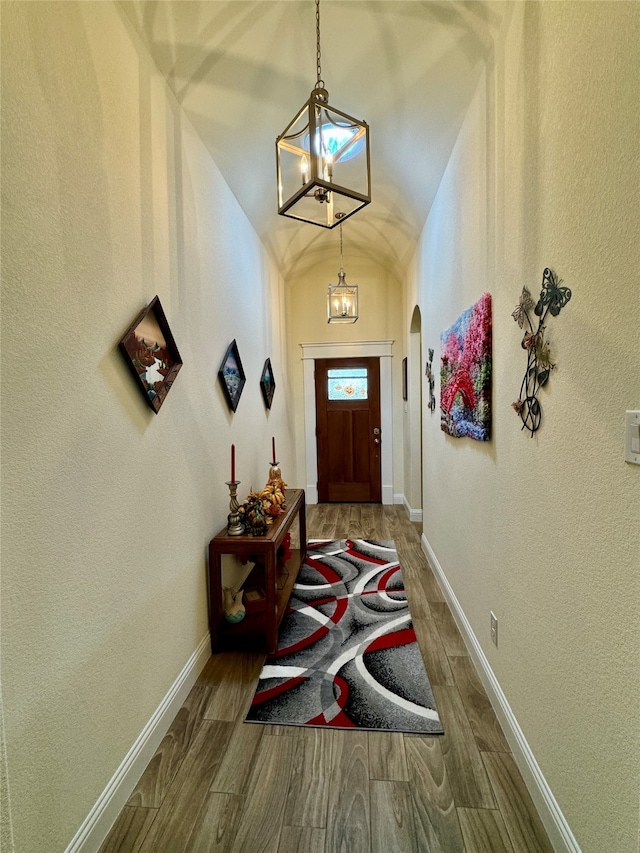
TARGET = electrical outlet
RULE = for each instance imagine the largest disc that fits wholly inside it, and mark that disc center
(494, 628)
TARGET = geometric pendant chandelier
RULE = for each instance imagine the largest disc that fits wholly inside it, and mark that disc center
(323, 160)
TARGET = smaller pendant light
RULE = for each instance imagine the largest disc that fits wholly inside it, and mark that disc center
(342, 298)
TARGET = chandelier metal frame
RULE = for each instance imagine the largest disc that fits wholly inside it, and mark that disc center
(322, 158)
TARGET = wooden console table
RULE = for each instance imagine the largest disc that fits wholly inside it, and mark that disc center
(258, 630)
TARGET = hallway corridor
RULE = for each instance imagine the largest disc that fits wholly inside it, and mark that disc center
(217, 784)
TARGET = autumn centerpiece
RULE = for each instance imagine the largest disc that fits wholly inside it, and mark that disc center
(272, 498)
(262, 507)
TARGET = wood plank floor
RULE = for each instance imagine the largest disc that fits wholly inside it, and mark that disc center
(218, 785)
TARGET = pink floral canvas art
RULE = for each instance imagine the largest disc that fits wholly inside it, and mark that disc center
(465, 373)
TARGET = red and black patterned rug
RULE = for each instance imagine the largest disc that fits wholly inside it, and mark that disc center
(347, 653)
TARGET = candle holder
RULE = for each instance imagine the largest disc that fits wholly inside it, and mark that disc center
(234, 525)
(274, 472)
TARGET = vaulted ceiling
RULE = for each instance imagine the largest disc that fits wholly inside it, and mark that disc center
(241, 70)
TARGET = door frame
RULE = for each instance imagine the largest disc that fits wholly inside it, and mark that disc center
(355, 349)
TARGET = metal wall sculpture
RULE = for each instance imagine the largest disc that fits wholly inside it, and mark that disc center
(552, 300)
(431, 378)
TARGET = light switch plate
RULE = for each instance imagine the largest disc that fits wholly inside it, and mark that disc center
(632, 437)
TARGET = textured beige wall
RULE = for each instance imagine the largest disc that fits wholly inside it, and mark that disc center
(544, 531)
(380, 299)
(108, 199)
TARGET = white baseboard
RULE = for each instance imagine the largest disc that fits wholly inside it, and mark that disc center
(559, 831)
(102, 816)
(414, 514)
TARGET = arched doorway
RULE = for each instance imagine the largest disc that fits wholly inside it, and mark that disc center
(413, 421)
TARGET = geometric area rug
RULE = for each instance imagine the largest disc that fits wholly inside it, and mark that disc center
(347, 653)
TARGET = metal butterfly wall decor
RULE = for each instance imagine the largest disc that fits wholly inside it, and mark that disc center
(552, 300)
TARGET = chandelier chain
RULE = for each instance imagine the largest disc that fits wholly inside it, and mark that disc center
(341, 261)
(318, 69)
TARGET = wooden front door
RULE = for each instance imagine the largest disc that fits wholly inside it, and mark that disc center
(348, 429)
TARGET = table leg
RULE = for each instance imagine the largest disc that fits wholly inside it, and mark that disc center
(272, 600)
(215, 598)
(302, 516)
